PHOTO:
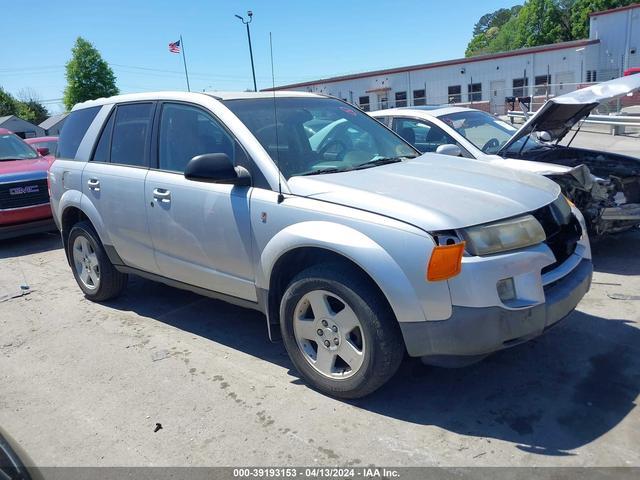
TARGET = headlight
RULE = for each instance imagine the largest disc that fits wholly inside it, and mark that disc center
(504, 235)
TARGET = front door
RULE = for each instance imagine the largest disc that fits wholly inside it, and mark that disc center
(497, 97)
(113, 183)
(201, 231)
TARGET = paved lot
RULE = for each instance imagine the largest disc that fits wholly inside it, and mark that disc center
(85, 384)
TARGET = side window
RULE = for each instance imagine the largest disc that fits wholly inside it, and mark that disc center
(75, 126)
(102, 151)
(130, 136)
(423, 135)
(187, 131)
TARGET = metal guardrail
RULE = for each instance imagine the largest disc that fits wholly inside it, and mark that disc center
(617, 122)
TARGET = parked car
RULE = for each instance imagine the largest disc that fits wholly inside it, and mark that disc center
(24, 197)
(605, 186)
(44, 145)
(15, 464)
(354, 249)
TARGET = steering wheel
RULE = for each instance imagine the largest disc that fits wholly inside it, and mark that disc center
(491, 144)
(339, 154)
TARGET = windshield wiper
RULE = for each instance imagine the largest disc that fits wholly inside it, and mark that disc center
(320, 171)
(381, 161)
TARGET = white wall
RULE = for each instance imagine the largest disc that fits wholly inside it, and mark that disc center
(619, 35)
(563, 65)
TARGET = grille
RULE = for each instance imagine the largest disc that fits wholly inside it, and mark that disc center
(562, 235)
(23, 194)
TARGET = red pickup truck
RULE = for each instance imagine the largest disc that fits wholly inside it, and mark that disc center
(24, 194)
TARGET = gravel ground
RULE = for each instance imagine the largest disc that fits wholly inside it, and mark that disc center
(85, 384)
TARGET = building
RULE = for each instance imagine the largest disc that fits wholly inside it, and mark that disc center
(21, 127)
(491, 82)
(53, 124)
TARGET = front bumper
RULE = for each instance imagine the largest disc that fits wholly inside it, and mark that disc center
(474, 331)
(27, 228)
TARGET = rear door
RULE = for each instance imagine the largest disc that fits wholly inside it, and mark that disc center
(113, 182)
(201, 231)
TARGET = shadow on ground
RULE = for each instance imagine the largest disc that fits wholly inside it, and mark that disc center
(30, 244)
(619, 254)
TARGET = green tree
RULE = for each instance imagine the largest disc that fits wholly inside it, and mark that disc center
(32, 111)
(488, 29)
(8, 104)
(539, 23)
(88, 75)
(495, 19)
(506, 38)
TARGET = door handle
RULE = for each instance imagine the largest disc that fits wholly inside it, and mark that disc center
(162, 194)
(94, 184)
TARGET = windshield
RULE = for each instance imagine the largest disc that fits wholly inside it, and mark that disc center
(487, 132)
(12, 148)
(318, 135)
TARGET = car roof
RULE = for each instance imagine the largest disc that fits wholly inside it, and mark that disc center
(40, 139)
(422, 112)
(175, 95)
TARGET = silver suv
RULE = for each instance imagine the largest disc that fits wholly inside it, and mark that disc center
(308, 210)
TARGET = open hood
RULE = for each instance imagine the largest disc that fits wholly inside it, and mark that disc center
(559, 114)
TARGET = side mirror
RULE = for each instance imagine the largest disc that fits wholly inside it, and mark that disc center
(216, 168)
(449, 149)
(44, 151)
(544, 136)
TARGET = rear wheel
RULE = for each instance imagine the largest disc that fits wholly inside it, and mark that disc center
(92, 269)
(339, 332)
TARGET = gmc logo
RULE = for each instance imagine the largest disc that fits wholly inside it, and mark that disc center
(24, 190)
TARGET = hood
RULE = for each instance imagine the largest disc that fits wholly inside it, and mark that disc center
(541, 168)
(433, 192)
(15, 170)
(559, 114)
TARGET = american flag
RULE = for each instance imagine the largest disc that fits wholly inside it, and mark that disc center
(174, 47)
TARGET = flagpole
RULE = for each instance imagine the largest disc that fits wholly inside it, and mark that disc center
(184, 60)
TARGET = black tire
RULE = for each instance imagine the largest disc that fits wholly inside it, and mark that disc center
(385, 346)
(112, 282)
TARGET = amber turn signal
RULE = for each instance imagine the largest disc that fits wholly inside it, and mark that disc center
(445, 262)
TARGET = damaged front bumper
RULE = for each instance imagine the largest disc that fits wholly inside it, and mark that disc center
(602, 202)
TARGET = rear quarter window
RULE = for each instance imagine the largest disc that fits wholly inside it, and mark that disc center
(75, 126)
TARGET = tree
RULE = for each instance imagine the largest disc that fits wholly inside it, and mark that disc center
(88, 75)
(539, 23)
(32, 111)
(488, 29)
(495, 19)
(8, 104)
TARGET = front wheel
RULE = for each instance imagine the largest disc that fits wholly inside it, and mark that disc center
(339, 332)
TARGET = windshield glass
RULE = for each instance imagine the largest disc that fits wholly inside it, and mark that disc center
(12, 148)
(318, 135)
(487, 132)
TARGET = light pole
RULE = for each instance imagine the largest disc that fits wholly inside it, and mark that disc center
(247, 22)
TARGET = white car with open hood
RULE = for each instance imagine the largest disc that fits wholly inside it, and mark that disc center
(605, 186)
(355, 248)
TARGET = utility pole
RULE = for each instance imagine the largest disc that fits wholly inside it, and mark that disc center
(247, 22)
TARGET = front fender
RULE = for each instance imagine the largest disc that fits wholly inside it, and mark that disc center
(353, 245)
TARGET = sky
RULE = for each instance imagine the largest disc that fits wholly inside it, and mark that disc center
(311, 40)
